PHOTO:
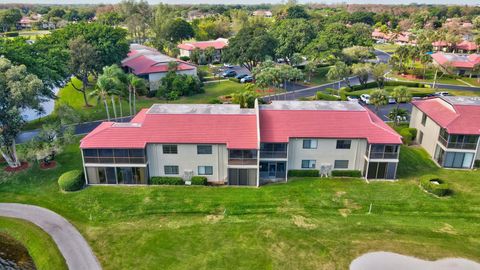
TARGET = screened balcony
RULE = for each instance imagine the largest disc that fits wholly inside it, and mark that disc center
(273, 150)
(115, 156)
(242, 157)
(455, 141)
(383, 151)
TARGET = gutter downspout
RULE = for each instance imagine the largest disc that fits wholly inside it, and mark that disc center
(257, 115)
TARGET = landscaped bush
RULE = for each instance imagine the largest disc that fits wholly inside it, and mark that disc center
(435, 185)
(233, 79)
(408, 84)
(362, 87)
(303, 173)
(199, 180)
(323, 96)
(71, 181)
(346, 173)
(166, 180)
(184, 58)
(407, 137)
(413, 132)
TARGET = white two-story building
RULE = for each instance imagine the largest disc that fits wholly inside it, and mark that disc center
(237, 146)
(448, 128)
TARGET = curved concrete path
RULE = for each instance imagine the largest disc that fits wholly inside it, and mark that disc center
(70, 242)
(394, 261)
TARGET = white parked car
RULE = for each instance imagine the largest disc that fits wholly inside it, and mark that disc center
(349, 98)
(391, 100)
(365, 98)
(442, 94)
(228, 65)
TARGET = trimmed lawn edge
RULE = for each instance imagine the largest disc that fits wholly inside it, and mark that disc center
(39, 244)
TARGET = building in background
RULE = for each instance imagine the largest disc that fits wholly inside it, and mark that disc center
(187, 48)
(152, 65)
(459, 64)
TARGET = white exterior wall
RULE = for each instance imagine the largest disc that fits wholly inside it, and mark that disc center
(187, 159)
(184, 53)
(155, 78)
(326, 153)
(431, 130)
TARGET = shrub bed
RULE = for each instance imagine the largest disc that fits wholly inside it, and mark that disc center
(476, 164)
(346, 173)
(408, 84)
(323, 96)
(303, 173)
(199, 181)
(234, 80)
(435, 185)
(71, 181)
(408, 134)
(166, 180)
(184, 58)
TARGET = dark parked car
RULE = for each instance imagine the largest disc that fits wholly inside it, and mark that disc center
(241, 76)
(229, 73)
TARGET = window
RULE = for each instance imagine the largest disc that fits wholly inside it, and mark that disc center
(308, 164)
(309, 144)
(344, 144)
(424, 119)
(205, 170)
(341, 164)
(204, 149)
(170, 149)
(420, 137)
(458, 160)
(171, 169)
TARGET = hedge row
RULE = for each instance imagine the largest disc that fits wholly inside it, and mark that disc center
(11, 34)
(386, 83)
(166, 180)
(441, 189)
(199, 180)
(71, 180)
(233, 79)
(303, 173)
(476, 164)
(346, 173)
(323, 96)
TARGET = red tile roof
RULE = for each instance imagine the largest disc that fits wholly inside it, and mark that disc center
(280, 125)
(467, 46)
(237, 131)
(457, 60)
(456, 118)
(218, 44)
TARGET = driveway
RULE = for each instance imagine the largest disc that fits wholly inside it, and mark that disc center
(384, 110)
(70, 242)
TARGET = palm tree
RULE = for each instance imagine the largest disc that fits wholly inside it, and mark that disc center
(118, 81)
(134, 84)
(396, 114)
(104, 84)
(379, 98)
(401, 94)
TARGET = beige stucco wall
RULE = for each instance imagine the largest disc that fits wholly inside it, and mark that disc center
(431, 130)
(326, 153)
(187, 159)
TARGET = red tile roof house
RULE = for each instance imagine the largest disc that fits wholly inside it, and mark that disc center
(235, 146)
(219, 44)
(460, 64)
(152, 65)
(449, 129)
(463, 47)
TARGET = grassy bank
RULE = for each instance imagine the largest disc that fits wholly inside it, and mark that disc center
(39, 244)
(304, 224)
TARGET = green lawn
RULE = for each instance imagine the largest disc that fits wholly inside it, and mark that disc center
(304, 224)
(386, 47)
(417, 91)
(68, 95)
(39, 244)
(320, 76)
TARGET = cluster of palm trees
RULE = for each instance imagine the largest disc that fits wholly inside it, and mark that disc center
(113, 84)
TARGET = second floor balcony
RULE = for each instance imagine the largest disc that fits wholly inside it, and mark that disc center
(242, 157)
(115, 156)
(273, 150)
(456, 141)
(383, 151)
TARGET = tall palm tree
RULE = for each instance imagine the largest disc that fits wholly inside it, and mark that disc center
(101, 92)
(135, 84)
(118, 80)
(379, 98)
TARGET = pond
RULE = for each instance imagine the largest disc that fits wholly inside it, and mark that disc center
(13, 255)
(48, 106)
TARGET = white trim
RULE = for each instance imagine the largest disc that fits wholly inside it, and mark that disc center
(115, 165)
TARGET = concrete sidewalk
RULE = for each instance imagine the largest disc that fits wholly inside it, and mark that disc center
(70, 242)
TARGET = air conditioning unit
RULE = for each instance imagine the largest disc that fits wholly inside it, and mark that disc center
(187, 176)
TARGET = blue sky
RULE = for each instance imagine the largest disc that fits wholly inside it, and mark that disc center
(458, 2)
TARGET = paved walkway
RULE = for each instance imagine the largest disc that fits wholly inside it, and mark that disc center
(70, 242)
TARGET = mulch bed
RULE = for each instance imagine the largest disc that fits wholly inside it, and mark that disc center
(23, 166)
(51, 165)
